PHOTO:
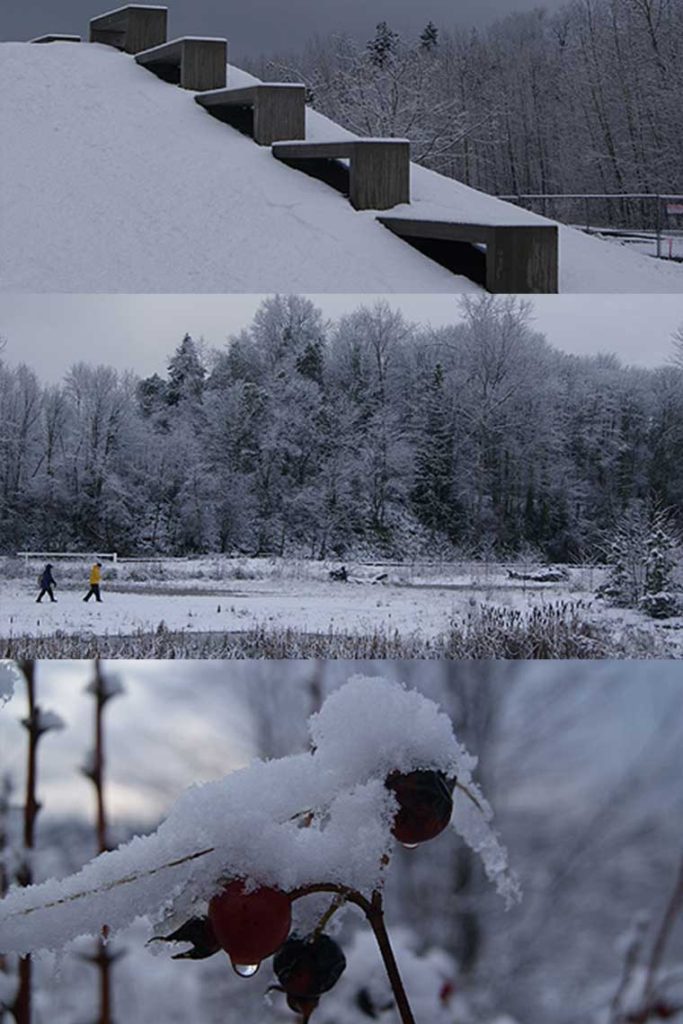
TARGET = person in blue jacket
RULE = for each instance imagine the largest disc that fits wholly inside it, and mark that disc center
(47, 582)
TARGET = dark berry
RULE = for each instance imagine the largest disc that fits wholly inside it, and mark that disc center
(425, 805)
(306, 968)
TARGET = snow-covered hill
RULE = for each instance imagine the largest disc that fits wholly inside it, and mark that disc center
(112, 180)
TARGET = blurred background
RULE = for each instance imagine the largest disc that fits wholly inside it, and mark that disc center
(583, 763)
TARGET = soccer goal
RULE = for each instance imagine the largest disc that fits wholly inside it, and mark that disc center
(65, 555)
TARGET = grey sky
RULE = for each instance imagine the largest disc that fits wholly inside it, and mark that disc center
(140, 332)
(257, 27)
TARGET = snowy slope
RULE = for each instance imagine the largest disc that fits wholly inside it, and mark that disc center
(117, 181)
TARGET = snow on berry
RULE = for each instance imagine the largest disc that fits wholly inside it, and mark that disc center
(319, 817)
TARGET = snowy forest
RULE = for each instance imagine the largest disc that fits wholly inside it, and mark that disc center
(577, 761)
(368, 435)
(364, 435)
(584, 100)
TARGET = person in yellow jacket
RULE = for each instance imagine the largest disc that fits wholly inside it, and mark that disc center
(95, 580)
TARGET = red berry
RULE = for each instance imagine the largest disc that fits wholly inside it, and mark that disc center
(425, 805)
(308, 967)
(250, 926)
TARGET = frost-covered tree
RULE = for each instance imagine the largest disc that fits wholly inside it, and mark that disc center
(186, 374)
(429, 37)
(319, 438)
(659, 600)
(383, 46)
(640, 553)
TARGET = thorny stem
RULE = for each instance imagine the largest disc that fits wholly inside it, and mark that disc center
(103, 958)
(376, 922)
(22, 1003)
(374, 913)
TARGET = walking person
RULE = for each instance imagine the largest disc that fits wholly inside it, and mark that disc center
(47, 582)
(95, 580)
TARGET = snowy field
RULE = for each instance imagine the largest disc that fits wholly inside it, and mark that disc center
(418, 602)
(108, 154)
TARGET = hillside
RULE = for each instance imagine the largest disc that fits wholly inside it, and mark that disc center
(116, 181)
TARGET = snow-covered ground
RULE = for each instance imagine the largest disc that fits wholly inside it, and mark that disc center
(118, 182)
(223, 595)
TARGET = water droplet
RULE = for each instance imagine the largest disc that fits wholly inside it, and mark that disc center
(246, 970)
(410, 846)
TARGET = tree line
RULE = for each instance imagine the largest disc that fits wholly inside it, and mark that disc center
(584, 100)
(365, 435)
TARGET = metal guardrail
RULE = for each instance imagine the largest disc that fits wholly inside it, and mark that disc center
(657, 213)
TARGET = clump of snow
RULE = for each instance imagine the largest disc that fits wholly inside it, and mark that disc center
(313, 818)
(362, 730)
(9, 676)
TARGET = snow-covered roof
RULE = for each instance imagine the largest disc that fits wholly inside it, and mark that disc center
(116, 181)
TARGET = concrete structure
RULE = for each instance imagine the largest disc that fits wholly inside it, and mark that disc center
(378, 175)
(520, 258)
(55, 39)
(192, 62)
(268, 111)
(131, 29)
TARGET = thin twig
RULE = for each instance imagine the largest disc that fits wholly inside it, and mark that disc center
(673, 908)
(127, 879)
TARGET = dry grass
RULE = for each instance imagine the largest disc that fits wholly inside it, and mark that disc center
(561, 631)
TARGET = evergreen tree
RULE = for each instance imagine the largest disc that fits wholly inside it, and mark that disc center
(151, 394)
(185, 374)
(659, 601)
(310, 363)
(618, 588)
(429, 38)
(384, 46)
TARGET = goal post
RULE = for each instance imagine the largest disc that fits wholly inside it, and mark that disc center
(111, 556)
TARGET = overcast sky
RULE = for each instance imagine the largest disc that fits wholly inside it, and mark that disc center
(140, 332)
(256, 27)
